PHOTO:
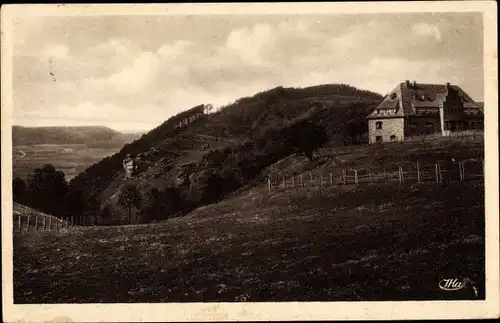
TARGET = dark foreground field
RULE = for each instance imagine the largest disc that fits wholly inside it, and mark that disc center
(366, 243)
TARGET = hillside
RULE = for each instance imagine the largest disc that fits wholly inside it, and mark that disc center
(320, 242)
(190, 157)
(91, 135)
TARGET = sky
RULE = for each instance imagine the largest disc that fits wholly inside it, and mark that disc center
(131, 73)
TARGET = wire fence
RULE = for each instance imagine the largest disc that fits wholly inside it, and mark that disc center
(454, 171)
(456, 135)
(33, 223)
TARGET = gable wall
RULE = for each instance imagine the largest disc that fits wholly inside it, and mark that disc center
(390, 126)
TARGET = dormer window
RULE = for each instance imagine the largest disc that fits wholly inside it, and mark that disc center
(393, 96)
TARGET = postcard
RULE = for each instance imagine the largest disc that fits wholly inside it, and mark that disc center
(258, 161)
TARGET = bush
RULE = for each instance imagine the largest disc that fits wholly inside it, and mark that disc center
(19, 190)
(164, 204)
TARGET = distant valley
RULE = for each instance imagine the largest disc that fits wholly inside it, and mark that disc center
(69, 149)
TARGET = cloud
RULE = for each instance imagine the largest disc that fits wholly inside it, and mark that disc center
(427, 30)
(121, 72)
(247, 43)
(174, 50)
(55, 51)
(136, 77)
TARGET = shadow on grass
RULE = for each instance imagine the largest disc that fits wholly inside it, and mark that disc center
(384, 243)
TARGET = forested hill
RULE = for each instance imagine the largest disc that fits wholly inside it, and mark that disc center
(250, 115)
(339, 109)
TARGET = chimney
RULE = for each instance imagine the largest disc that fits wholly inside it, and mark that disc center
(407, 83)
(414, 83)
(447, 85)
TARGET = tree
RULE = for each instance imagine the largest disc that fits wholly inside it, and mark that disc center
(105, 214)
(301, 136)
(214, 188)
(355, 120)
(74, 204)
(18, 190)
(47, 189)
(129, 198)
(306, 137)
(165, 203)
(92, 208)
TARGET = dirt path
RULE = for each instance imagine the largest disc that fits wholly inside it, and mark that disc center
(21, 156)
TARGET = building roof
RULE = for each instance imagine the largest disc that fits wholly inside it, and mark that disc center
(409, 95)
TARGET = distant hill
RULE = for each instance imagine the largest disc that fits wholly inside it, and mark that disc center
(90, 135)
(188, 156)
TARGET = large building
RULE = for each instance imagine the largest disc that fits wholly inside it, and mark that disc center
(413, 109)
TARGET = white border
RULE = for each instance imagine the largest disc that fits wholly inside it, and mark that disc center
(259, 311)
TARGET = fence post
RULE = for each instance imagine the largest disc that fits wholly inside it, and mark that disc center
(43, 223)
(293, 182)
(71, 220)
(28, 223)
(356, 176)
(460, 170)
(269, 185)
(19, 223)
(418, 172)
(321, 179)
(50, 224)
(331, 179)
(36, 223)
(440, 174)
(463, 171)
(344, 175)
(301, 180)
(311, 177)
(370, 173)
(399, 175)
(284, 182)
(385, 175)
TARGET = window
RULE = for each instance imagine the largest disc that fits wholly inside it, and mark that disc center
(393, 137)
(378, 125)
(378, 111)
(378, 139)
(429, 126)
(473, 125)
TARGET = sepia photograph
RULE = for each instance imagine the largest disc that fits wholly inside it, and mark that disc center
(239, 154)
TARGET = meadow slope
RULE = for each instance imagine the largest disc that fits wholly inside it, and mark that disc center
(383, 242)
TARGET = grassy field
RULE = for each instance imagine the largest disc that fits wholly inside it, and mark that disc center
(380, 242)
(71, 159)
